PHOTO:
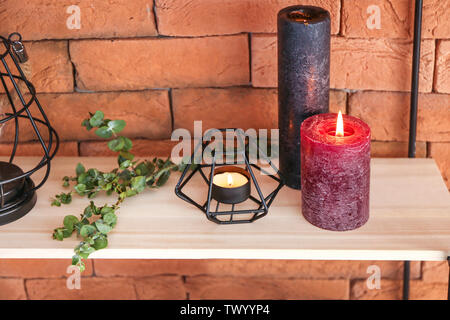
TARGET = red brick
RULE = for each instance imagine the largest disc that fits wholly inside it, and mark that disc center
(141, 148)
(12, 289)
(38, 268)
(435, 271)
(220, 108)
(28, 149)
(264, 60)
(158, 63)
(204, 17)
(441, 153)
(421, 290)
(379, 64)
(372, 64)
(160, 288)
(51, 68)
(251, 268)
(338, 101)
(442, 74)
(147, 114)
(91, 289)
(436, 16)
(396, 149)
(207, 287)
(395, 18)
(387, 114)
(48, 68)
(233, 107)
(390, 290)
(47, 19)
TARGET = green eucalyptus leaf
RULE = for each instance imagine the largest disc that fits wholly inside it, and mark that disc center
(66, 180)
(116, 125)
(116, 144)
(102, 227)
(86, 124)
(82, 266)
(110, 219)
(83, 178)
(163, 178)
(55, 203)
(80, 189)
(79, 169)
(87, 230)
(88, 212)
(65, 198)
(125, 175)
(86, 251)
(138, 184)
(94, 173)
(84, 221)
(125, 164)
(67, 233)
(105, 210)
(127, 155)
(58, 234)
(76, 259)
(130, 193)
(92, 195)
(141, 169)
(69, 222)
(151, 167)
(104, 132)
(97, 119)
(127, 144)
(101, 242)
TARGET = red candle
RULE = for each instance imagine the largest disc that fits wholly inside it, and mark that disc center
(335, 173)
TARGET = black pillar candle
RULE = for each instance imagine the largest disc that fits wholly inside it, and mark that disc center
(303, 79)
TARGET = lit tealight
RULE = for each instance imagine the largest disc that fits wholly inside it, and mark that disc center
(230, 179)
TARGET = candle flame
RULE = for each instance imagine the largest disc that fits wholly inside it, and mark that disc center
(340, 125)
(229, 179)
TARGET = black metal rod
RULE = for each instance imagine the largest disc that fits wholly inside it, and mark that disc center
(448, 290)
(16, 122)
(406, 277)
(415, 79)
(413, 113)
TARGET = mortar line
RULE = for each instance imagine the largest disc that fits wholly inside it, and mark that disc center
(250, 58)
(74, 70)
(172, 115)
(434, 82)
(155, 18)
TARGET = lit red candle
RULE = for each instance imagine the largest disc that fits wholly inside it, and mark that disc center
(335, 171)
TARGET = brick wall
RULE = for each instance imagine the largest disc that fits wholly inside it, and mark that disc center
(160, 65)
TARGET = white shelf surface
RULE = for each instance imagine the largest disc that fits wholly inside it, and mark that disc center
(409, 220)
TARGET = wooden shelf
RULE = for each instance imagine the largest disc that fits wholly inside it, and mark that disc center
(410, 220)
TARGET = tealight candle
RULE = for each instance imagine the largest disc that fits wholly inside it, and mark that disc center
(230, 179)
(231, 184)
(335, 172)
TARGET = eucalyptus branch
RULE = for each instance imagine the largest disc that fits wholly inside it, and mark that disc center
(128, 179)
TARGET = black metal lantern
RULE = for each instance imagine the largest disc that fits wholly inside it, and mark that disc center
(258, 205)
(17, 189)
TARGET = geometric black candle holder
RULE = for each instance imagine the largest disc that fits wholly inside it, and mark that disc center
(256, 206)
(17, 190)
